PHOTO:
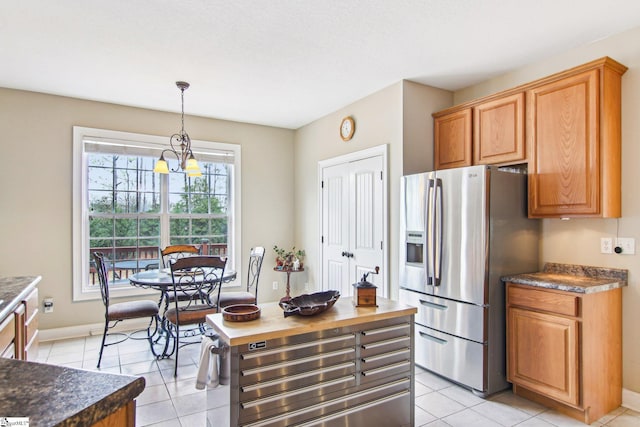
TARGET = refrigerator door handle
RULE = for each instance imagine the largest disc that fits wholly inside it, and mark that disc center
(433, 305)
(429, 227)
(437, 232)
(432, 338)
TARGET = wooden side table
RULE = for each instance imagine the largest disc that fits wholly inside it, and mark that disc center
(287, 297)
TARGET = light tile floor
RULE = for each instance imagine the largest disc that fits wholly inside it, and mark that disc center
(172, 402)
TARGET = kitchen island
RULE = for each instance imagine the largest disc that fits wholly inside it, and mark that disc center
(346, 366)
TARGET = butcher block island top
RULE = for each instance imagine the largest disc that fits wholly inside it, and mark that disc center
(273, 325)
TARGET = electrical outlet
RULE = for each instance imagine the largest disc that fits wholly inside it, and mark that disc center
(606, 245)
(306, 286)
(275, 286)
(627, 244)
(47, 303)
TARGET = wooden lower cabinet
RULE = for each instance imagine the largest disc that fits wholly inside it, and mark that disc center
(123, 417)
(564, 350)
(19, 330)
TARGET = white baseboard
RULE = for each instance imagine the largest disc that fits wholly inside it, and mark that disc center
(92, 329)
(631, 399)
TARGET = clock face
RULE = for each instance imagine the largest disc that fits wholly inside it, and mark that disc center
(347, 128)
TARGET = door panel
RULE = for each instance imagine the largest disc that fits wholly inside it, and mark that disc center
(366, 223)
(452, 317)
(452, 357)
(352, 224)
(412, 232)
(335, 229)
(464, 242)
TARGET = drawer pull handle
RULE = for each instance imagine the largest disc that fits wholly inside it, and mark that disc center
(288, 363)
(290, 378)
(386, 368)
(383, 343)
(432, 338)
(385, 355)
(383, 330)
(279, 350)
(433, 305)
(295, 392)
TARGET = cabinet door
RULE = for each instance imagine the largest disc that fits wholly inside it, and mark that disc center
(562, 132)
(452, 135)
(498, 131)
(543, 354)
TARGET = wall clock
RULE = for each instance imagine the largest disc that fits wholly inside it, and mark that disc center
(347, 128)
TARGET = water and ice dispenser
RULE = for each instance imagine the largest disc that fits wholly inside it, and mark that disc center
(415, 247)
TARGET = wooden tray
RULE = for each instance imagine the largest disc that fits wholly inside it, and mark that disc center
(241, 312)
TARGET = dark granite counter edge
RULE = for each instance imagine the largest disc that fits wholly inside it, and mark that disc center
(53, 395)
(10, 305)
(106, 406)
(541, 283)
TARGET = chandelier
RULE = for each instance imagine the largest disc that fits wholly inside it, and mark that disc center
(180, 147)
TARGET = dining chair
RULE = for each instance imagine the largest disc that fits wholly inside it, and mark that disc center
(174, 252)
(196, 292)
(169, 255)
(250, 296)
(115, 313)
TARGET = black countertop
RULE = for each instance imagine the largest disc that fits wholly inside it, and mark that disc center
(51, 395)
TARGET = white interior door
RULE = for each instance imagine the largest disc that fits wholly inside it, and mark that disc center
(353, 224)
(335, 226)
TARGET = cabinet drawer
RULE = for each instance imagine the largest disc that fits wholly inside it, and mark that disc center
(552, 302)
(31, 301)
(7, 334)
(32, 329)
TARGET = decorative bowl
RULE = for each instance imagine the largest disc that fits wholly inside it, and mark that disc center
(310, 304)
(241, 312)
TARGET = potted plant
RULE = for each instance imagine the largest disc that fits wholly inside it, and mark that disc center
(291, 259)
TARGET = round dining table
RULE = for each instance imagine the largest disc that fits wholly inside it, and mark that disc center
(161, 281)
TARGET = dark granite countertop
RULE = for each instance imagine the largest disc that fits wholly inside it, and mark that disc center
(573, 278)
(53, 395)
(13, 290)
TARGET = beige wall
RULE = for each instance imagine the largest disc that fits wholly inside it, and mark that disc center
(399, 116)
(578, 241)
(36, 199)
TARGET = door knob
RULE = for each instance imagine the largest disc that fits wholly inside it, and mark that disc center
(347, 254)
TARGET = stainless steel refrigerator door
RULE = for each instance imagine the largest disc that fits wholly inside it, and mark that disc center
(413, 232)
(461, 234)
(453, 317)
(452, 357)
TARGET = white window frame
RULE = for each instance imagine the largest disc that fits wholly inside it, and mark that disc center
(80, 241)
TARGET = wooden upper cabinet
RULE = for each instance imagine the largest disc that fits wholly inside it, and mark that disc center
(498, 131)
(452, 139)
(573, 134)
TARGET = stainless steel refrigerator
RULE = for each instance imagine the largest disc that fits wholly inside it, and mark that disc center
(461, 230)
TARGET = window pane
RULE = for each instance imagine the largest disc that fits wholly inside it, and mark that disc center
(200, 227)
(179, 227)
(126, 215)
(150, 227)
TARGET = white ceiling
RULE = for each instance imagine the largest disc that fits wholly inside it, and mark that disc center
(282, 63)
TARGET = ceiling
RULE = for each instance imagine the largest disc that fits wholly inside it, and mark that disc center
(282, 63)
